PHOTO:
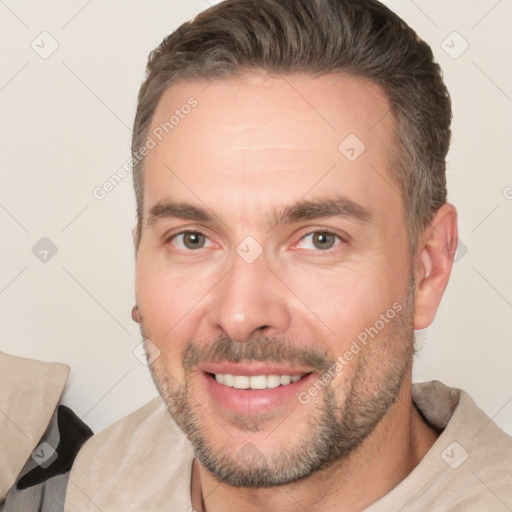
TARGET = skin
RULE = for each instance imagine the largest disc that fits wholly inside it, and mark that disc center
(253, 146)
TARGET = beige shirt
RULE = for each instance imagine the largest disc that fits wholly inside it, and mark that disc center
(29, 394)
(144, 462)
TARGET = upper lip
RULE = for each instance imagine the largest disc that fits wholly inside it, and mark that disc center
(253, 368)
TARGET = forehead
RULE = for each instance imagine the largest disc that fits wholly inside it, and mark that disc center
(274, 137)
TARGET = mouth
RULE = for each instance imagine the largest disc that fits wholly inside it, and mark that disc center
(254, 388)
(256, 381)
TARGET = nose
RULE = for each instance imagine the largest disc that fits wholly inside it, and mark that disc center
(250, 300)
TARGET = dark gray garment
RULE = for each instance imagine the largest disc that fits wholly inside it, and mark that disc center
(41, 485)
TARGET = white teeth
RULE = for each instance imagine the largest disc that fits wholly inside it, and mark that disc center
(273, 381)
(255, 381)
(240, 381)
(258, 382)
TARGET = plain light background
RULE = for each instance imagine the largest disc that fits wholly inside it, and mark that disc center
(65, 128)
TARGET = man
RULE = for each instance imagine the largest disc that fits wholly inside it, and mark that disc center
(293, 232)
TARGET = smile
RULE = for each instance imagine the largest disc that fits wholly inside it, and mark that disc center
(256, 381)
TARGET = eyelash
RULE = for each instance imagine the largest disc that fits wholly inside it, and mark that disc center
(339, 239)
(185, 232)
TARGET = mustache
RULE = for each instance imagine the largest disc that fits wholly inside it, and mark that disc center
(262, 349)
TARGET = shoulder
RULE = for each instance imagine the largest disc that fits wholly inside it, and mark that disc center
(479, 456)
(30, 393)
(470, 439)
(468, 468)
(132, 464)
(472, 457)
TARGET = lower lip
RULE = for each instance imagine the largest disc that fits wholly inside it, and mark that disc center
(255, 401)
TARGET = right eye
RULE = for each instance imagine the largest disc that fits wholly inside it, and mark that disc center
(190, 240)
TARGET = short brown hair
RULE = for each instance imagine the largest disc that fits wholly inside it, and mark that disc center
(360, 37)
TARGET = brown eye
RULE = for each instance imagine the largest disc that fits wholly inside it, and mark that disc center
(324, 240)
(190, 240)
(319, 241)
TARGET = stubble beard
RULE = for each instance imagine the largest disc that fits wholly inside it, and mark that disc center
(334, 430)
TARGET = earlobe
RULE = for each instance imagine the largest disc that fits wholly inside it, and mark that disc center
(136, 314)
(434, 260)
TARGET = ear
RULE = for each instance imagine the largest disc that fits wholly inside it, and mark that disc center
(433, 264)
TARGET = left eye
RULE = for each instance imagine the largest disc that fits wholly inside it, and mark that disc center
(190, 240)
(322, 240)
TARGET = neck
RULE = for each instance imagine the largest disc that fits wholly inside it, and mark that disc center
(383, 460)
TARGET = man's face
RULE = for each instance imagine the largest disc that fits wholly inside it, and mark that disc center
(268, 254)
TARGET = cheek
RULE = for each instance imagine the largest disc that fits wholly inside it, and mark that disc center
(346, 301)
(169, 303)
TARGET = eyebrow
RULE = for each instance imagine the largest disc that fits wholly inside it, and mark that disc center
(332, 206)
(303, 210)
(169, 209)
